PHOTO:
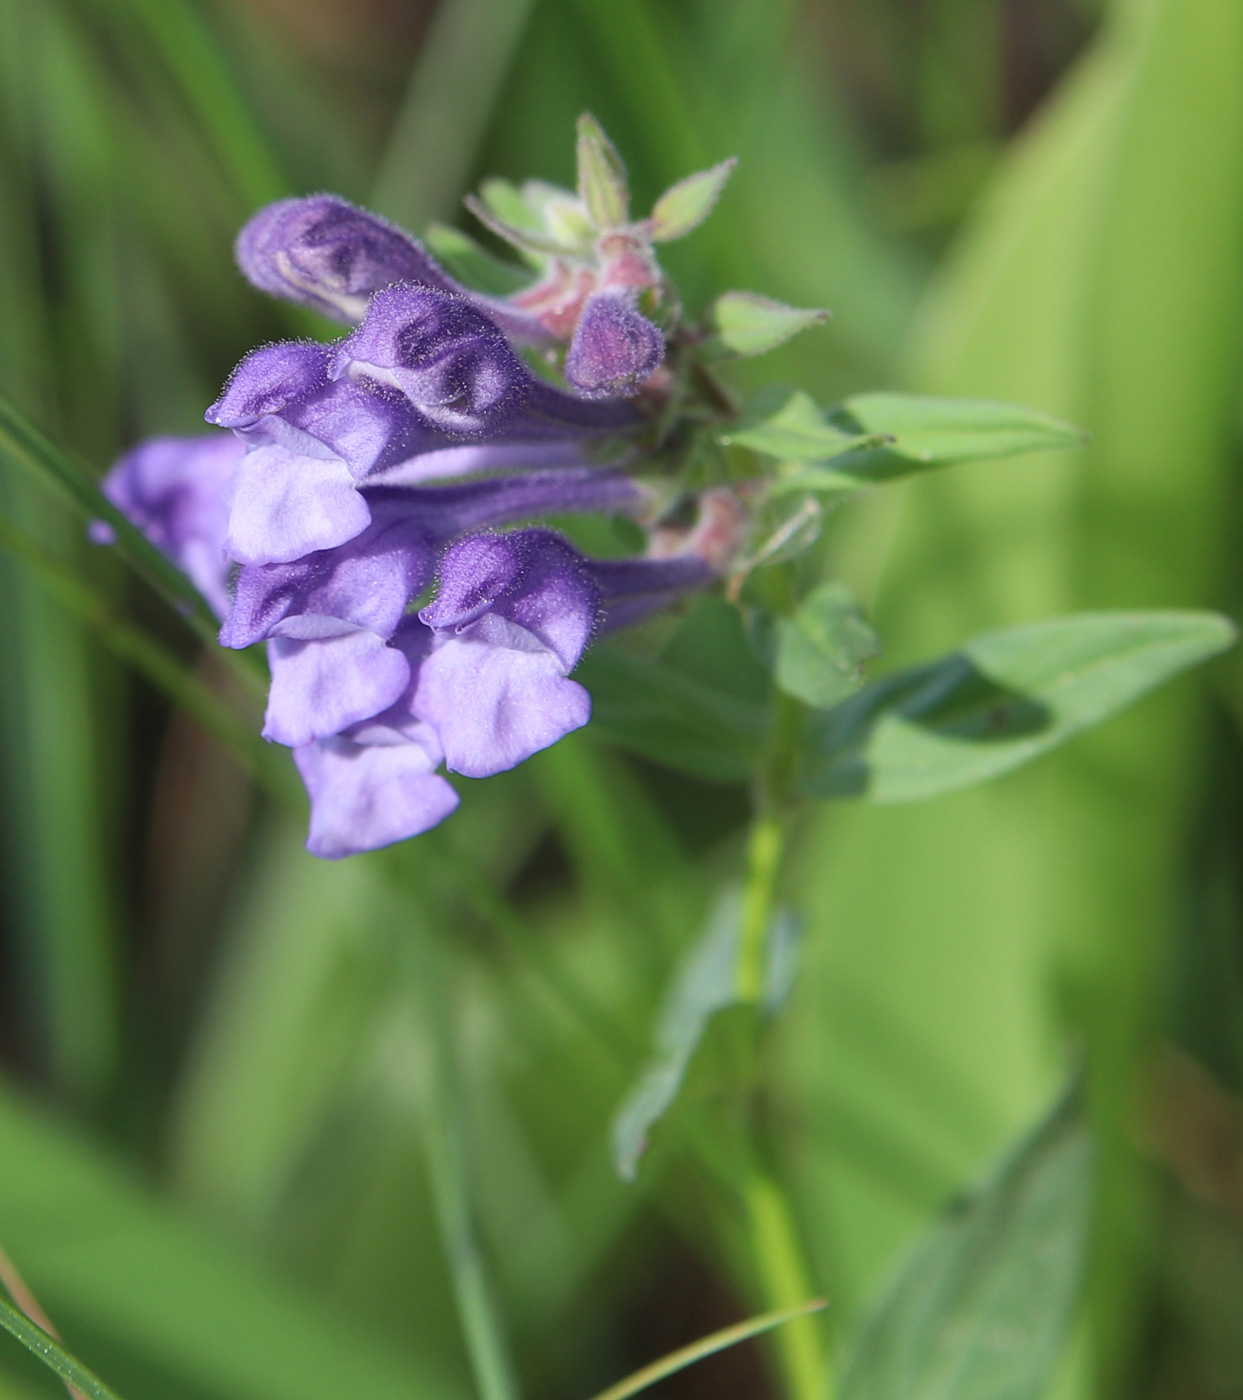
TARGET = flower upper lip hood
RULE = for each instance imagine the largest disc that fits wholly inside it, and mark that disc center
(322, 251)
(460, 373)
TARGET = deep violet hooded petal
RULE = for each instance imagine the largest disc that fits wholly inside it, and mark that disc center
(533, 579)
(367, 796)
(178, 492)
(615, 347)
(324, 252)
(459, 371)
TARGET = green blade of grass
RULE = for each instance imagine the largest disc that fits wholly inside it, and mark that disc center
(152, 660)
(706, 1346)
(24, 444)
(52, 1353)
(463, 62)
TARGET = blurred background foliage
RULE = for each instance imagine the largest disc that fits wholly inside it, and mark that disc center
(239, 1080)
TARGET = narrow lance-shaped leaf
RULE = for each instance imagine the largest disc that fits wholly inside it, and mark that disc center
(788, 424)
(957, 430)
(999, 701)
(879, 437)
(747, 323)
(602, 182)
(982, 1308)
(684, 206)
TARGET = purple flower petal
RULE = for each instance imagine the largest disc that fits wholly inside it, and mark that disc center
(322, 685)
(614, 348)
(460, 373)
(367, 796)
(492, 705)
(369, 580)
(531, 578)
(323, 252)
(178, 492)
(269, 379)
(286, 505)
(443, 354)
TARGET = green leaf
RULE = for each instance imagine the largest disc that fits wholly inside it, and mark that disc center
(684, 206)
(982, 1308)
(602, 182)
(822, 647)
(787, 423)
(750, 324)
(910, 433)
(705, 983)
(471, 263)
(658, 711)
(52, 1353)
(939, 431)
(999, 701)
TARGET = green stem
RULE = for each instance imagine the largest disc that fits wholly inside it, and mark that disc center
(784, 1282)
(764, 851)
(782, 1271)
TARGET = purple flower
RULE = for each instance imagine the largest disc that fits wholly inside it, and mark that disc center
(364, 796)
(460, 373)
(324, 252)
(178, 492)
(614, 348)
(330, 614)
(376, 783)
(511, 619)
(426, 373)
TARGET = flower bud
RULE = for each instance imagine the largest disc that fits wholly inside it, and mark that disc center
(614, 347)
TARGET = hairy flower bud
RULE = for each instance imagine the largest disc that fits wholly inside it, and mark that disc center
(614, 348)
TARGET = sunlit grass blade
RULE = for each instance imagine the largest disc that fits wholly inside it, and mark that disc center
(706, 1346)
(53, 1354)
(152, 660)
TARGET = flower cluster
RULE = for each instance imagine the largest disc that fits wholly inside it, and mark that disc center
(351, 510)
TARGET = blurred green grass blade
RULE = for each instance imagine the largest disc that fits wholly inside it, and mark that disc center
(1000, 701)
(52, 1354)
(706, 1346)
(448, 1170)
(171, 1296)
(24, 444)
(196, 62)
(461, 66)
(151, 659)
(982, 1308)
